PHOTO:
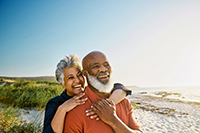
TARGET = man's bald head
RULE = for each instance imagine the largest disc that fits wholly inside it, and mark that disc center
(91, 58)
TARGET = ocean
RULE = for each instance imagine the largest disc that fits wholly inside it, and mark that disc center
(186, 93)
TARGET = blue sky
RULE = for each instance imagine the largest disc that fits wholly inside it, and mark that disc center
(148, 43)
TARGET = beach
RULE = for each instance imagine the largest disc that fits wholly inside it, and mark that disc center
(158, 111)
(159, 114)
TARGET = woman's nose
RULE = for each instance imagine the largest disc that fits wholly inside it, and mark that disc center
(77, 79)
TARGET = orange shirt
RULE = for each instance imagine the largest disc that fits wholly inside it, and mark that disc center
(76, 120)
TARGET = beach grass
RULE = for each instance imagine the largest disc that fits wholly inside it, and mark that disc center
(134, 106)
(23, 94)
(11, 122)
(29, 94)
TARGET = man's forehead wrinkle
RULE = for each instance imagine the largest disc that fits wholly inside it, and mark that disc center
(89, 59)
(92, 64)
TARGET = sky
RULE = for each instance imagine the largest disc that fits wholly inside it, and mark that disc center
(148, 43)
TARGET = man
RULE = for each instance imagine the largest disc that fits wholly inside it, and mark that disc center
(97, 71)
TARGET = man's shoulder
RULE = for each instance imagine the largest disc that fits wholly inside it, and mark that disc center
(125, 100)
(125, 103)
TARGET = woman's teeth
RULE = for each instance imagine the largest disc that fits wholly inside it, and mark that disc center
(77, 86)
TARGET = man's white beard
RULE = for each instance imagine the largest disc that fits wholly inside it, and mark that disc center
(107, 87)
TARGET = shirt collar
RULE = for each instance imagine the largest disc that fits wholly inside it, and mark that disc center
(91, 95)
(65, 96)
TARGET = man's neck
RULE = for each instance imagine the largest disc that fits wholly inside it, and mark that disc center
(100, 94)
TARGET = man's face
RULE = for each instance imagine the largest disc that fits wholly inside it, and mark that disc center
(99, 67)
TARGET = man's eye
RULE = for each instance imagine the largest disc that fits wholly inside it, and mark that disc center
(96, 67)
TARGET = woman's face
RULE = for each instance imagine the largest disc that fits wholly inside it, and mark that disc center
(74, 81)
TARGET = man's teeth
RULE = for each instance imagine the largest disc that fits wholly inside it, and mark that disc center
(103, 76)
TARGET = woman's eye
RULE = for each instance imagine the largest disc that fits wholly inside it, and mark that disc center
(80, 74)
(70, 77)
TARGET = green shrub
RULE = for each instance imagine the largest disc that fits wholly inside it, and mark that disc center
(28, 94)
(134, 106)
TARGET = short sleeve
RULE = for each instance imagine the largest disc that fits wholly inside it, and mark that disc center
(132, 122)
(121, 86)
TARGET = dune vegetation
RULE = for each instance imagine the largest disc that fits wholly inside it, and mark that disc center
(23, 94)
(17, 94)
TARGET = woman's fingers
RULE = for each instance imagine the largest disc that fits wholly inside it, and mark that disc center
(90, 113)
(94, 116)
(79, 96)
(77, 99)
(81, 101)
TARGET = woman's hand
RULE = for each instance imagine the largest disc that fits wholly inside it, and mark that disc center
(90, 113)
(73, 102)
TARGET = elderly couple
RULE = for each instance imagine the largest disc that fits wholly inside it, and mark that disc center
(89, 110)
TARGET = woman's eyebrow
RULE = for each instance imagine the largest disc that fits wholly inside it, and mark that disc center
(69, 75)
(78, 72)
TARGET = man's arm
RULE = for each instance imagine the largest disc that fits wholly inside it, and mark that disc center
(107, 113)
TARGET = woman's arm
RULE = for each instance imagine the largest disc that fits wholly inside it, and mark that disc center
(119, 92)
(58, 119)
(117, 95)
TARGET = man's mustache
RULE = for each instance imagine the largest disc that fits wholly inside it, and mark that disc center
(103, 73)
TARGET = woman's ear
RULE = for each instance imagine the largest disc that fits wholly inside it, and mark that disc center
(84, 73)
(62, 86)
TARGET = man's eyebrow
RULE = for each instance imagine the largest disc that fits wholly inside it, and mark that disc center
(94, 64)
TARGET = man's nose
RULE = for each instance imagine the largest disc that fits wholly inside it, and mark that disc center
(103, 68)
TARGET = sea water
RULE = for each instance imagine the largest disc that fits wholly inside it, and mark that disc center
(186, 93)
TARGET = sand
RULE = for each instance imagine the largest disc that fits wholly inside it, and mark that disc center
(161, 115)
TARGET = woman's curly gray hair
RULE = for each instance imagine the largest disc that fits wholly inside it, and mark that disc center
(68, 61)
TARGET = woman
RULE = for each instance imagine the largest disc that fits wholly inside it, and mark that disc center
(68, 74)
